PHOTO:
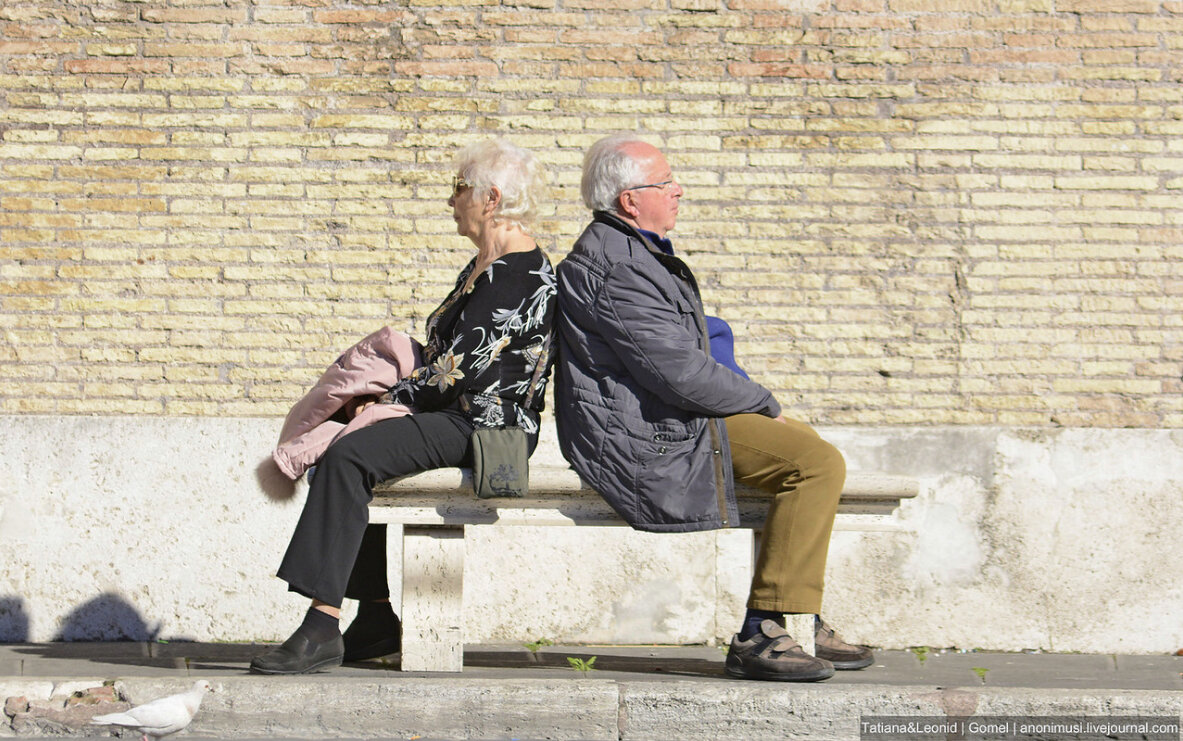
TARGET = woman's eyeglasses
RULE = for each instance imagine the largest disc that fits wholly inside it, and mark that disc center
(458, 184)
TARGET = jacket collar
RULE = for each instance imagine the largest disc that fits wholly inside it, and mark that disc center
(670, 262)
(620, 224)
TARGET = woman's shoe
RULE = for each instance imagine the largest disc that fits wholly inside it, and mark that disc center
(370, 639)
(299, 654)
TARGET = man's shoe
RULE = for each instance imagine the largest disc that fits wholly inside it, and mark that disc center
(771, 654)
(838, 652)
(366, 640)
(300, 655)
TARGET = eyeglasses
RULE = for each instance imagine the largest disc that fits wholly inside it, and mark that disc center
(660, 186)
(459, 183)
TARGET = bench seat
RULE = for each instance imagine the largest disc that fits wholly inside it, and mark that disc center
(558, 496)
(433, 508)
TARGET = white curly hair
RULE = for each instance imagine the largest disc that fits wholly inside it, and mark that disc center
(516, 172)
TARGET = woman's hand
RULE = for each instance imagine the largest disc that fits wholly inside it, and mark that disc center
(359, 404)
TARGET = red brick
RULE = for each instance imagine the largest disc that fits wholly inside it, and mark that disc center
(860, 6)
(208, 67)
(772, 69)
(383, 17)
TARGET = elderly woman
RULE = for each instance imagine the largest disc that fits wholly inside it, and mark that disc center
(483, 343)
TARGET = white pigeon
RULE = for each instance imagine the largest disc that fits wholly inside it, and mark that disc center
(160, 717)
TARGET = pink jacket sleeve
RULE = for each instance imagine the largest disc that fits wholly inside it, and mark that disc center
(368, 368)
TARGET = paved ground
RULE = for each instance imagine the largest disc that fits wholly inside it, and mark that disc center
(657, 692)
(622, 663)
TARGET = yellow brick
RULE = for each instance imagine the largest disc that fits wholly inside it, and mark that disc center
(1028, 161)
(1099, 182)
(43, 117)
(976, 143)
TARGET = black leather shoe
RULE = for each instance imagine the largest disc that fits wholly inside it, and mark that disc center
(300, 655)
(371, 639)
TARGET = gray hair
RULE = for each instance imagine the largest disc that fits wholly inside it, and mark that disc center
(513, 170)
(608, 171)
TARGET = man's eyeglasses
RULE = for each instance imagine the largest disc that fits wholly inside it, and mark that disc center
(660, 186)
(458, 183)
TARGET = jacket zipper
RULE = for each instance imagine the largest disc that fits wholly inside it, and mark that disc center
(700, 319)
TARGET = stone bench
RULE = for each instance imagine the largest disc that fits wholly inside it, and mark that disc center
(434, 507)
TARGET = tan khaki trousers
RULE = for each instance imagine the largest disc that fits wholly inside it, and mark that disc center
(804, 474)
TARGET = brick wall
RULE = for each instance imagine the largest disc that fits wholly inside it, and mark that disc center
(912, 211)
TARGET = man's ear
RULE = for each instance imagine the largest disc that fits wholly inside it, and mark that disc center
(628, 206)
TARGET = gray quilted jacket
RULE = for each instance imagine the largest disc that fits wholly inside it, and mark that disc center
(638, 398)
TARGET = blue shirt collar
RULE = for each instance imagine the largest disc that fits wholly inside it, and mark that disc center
(662, 243)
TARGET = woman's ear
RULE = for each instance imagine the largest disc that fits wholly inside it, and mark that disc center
(493, 199)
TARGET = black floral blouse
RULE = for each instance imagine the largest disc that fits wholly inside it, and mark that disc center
(484, 345)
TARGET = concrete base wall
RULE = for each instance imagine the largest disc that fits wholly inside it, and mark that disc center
(1063, 540)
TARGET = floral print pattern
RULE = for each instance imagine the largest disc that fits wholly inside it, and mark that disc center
(446, 370)
(484, 345)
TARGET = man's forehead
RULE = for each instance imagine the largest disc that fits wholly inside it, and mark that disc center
(657, 166)
(647, 154)
(661, 165)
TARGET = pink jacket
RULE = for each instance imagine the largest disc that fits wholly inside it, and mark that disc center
(368, 368)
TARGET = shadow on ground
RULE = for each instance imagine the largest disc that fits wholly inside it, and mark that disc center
(604, 661)
(169, 655)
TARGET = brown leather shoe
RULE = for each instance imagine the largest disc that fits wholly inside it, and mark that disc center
(838, 652)
(771, 654)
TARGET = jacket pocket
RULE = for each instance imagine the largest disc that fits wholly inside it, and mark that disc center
(686, 310)
(665, 480)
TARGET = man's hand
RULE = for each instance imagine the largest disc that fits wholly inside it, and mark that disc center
(781, 419)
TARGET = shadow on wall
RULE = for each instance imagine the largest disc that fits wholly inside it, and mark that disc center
(14, 621)
(107, 617)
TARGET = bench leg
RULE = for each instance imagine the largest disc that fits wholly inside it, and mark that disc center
(432, 602)
(800, 627)
(733, 579)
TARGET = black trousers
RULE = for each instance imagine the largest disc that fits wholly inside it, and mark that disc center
(334, 552)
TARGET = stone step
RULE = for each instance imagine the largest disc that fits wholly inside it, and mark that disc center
(632, 692)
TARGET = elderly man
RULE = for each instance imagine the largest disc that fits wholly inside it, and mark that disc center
(657, 424)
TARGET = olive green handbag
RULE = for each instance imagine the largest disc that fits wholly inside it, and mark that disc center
(501, 455)
(500, 462)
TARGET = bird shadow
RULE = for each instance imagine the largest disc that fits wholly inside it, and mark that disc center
(110, 630)
(107, 617)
